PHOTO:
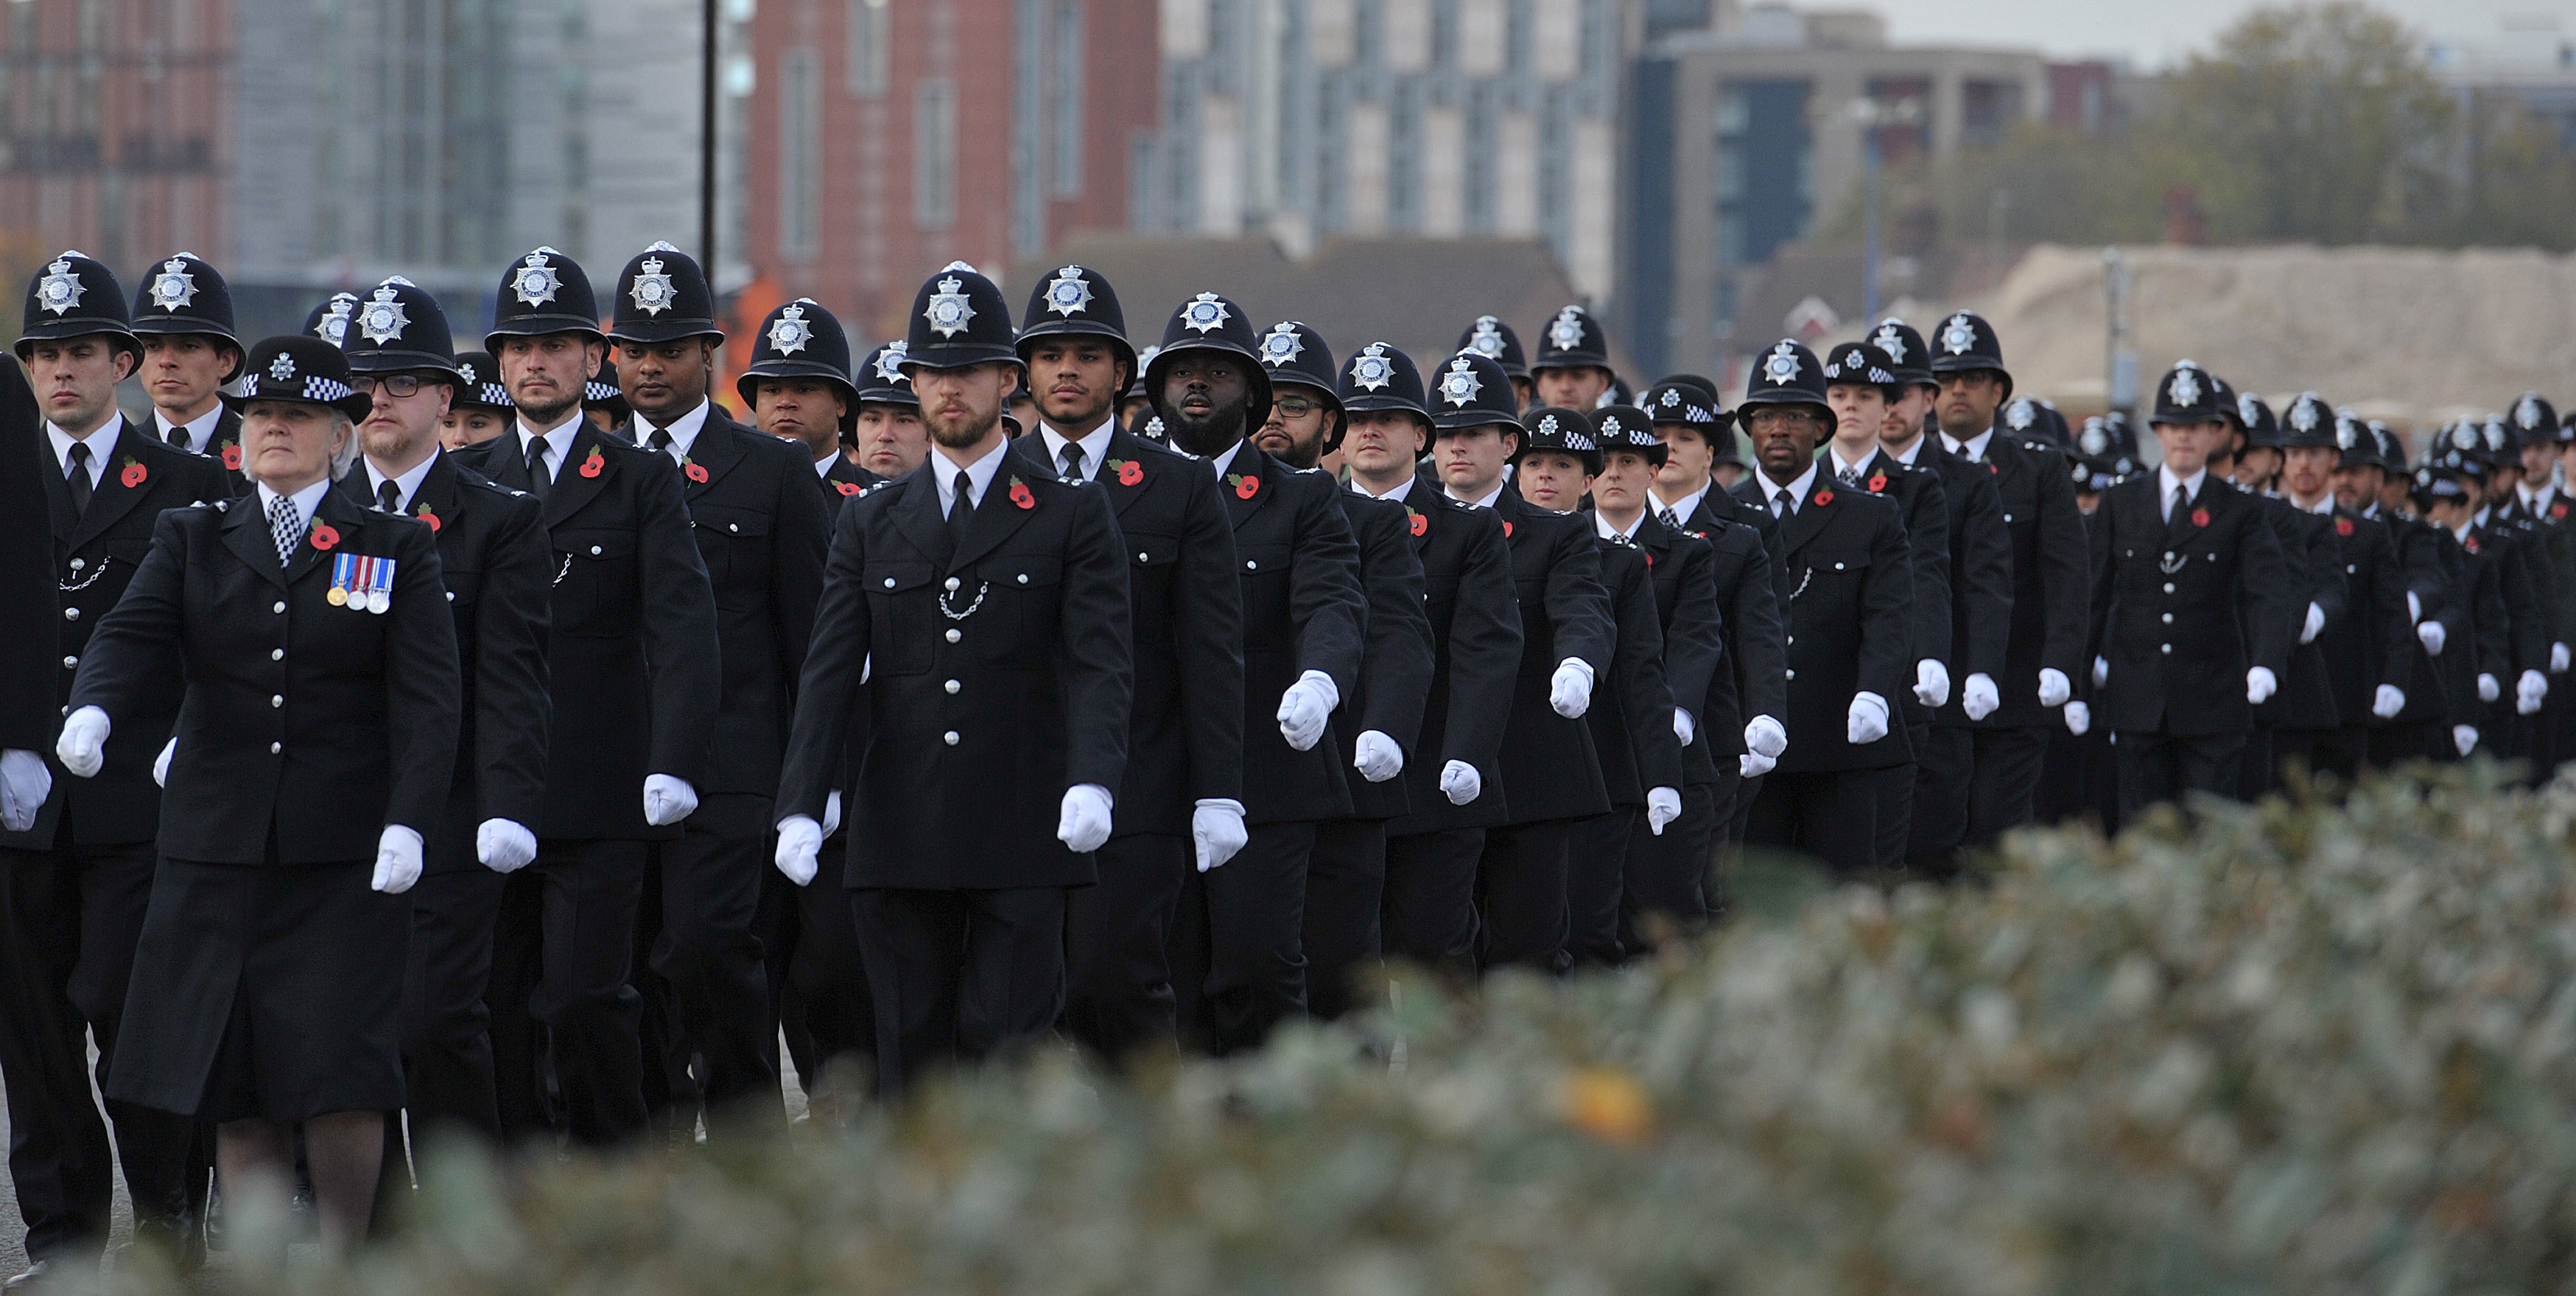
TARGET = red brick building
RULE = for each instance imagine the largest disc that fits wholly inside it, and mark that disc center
(889, 137)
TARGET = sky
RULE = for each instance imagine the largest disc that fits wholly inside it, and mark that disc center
(2162, 33)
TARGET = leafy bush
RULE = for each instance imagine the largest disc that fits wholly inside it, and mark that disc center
(2292, 1048)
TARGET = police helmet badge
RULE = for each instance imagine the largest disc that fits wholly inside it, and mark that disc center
(653, 291)
(2095, 440)
(1370, 369)
(890, 361)
(2526, 415)
(2495, 434)
(536, 281)
(1610, 426)
(949, 310)
(60, 289)
(383, 319)
(1547, 425)
(1281, 345)
(2345, 434)
(1780, 368)
(1959, 335)
(174, 287)
(283, 367)
(1566, 330)
(789, 333)
(2021, 414)
(2465, 436)
(2303, 411)
(1204, 314)
(1068, 292)
(333, 327)
(1890, 341)
(1487, 339)
(1672, 398)
(1460, 384)
(2185, 387)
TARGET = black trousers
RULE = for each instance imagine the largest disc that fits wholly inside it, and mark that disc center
(1944, 762)
(2158, 767)
(708, 1037)
(1596, 881)
(1427, 914)
(1238, 941)
(2340, 752)
(1117, 944)
(1832, 815)
(1345, 886)
(776, 925)
(1520, 896)
(2392, 745)
(2059, 798)
(2257, 772)
(1667, 889)
(1999, 790)
(2315, 749)
(447, 1027)
(958, 976)
(827, 988)
(69, 919)
(561, 1006)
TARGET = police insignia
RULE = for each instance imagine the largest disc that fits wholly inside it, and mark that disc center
(2303, 412)
(2021, 414)
(2495, 434)
(949, 310)
(1566, 330)
(1460, 384)
(2345, 434)
(1780, 368)
(174, 287)
(1610, 426)
(1487, 340)
(1891, 341)
(653, 289)
(333, 327)
(2527, 414)
(789, 333)
(283, 367)
(535, 283)
(1281, 345)
(2185, 387)
(1671, 398)
(890, 361)
(383, 319)
(1959, 334)
(1204, 314)
(1547, 425)
(1068, 292)
(1370, 368)
(60, 289)
(2094, 439)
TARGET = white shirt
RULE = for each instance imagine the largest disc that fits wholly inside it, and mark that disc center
(2165, 483)
(1485, 503)
(1797, 490)
(558, 443)
(979, 476)
(1610, 532)
(684, 431)
(1095, 446)
(1396, 493)
(1686, 507)
(304, 501)
(101, 443)
(1908, 455)
(2479, 518)
(201, 429)
(1972, 448)
(1841, 463)
(2462, 534)
(408, 484)
(2324, 506)
(1221, 462)
(823, 466)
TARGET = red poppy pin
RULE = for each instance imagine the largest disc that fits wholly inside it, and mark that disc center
(133, 474)
(694, 471)
(1877, 483)
(1020, 494)
(1507, 530)
(2343, 526)
(325, 537)
(431, 518)
(847, 488)
(1129, 471)
(1245, 484)
(1824, 497)
(1419, 524)
(2471, 544)
(1996, 469)
(2200, 517)
(232, 456)
(2558, 511)
(594, 465)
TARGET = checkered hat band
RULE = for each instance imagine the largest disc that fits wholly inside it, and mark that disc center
(599, 391)
(326, 390)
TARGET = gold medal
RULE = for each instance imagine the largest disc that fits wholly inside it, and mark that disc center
(338, 597)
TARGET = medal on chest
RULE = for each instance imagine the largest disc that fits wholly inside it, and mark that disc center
(361, 583)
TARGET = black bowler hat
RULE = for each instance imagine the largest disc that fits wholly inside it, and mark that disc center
(2189, 395)
(1863, 364)
(801, 340)
(2263, 428)
(1380, 376)
(1209, 322)
(662, 296)
(1295, 353)
(602, 391)
(1627, 428)
(1905, 350)
(2535, 419)
(75, 296)
(958, 319)
(1572, 340)
(398, 327)
(1489, 336)
(185, 295)
(329, 320)
(1471, 390)
(2307, 421)
(294, 367)
(483, 385)
(1077, 301)
(1554, 429)
(1677, 401)
(544, 292)
(1786, 375)
(881, 378)
(1967, 343)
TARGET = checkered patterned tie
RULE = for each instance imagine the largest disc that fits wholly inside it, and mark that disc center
(286, 526)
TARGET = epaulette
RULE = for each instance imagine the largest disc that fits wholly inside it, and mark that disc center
(1316, 469)
(220, 506)
(873, 487)
(2028, 444)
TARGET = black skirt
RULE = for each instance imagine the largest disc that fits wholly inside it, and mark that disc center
(270, 991)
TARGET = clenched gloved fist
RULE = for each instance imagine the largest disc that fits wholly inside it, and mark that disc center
(2529, 692)
(1754, 765)
(1767, 736)
(2388, 701)
(668, 800)
(397, 860)
(2054, 687)
(1084, 822)
(1931, 683)
(504, 845)
(2260, 685)
(2316, 621)
(1217, 831)
(1867, 720)
(1376, 756)
(1663, 805)
(1570, 692)
(1460, 782)
(2488, 689)
(1979, 697)
(2464, 737)
(2431, 635)
(83, 746)
(2079, 719)
(1305, 707)
(25, 782)
(799, 840)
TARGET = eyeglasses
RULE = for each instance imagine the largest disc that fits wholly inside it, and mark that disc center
(1296, 406)
(398, 386)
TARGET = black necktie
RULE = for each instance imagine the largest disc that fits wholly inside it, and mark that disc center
(961, 514)
(661, 440)
(179, 436)
(2182, 500)
(77, 478)
(389, 497)
(1780, 503)
(1073, 459)
(539, 481)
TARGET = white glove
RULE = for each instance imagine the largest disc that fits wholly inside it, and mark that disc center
(2079, 719)
(1571, 691)
(1684, 727)
(2101, 671)
(2316, 622)
(800, 839)
(161, 763)
(1084, 822)
(1754, 765)
(1978, 697)
(397, 860)
(2388, 701)
(504, 845)
(2558, 659)
(83, 746)
(1663, 805)
(2260, 685)
(1931, 683)
(2488, 689)
(1460, 782)
(2464, 737)
(832, 812)
(2054, 687)
(2431, 635)
(2529, 692)
(2414, 608)
(1216, 828)
(1376, 756)
(1866, 722)
(668, 800)
(1765, 735)
(25, 782)
(1305, 707)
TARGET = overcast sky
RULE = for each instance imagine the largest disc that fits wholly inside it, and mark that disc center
(2163, 32)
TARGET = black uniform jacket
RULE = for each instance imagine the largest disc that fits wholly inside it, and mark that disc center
(1397, 663)
(986, 700)
(1469, 598)
(2370, 642)
(2540, 574)
(1980, 577)
(1550, 770)
(94, 556)
(1748, 597)
(762, 531)
(1850, 585)
(1632, 705)
(29, 710)
(2432, 567)
(632, 655)
(2311, 551)
(1185, 603)
(2498, 608)
(2187, 607)
(493, 558)
(1683, 569)
(840, 480)
(305, 725)
(2515, 544)
(1924, 501)
(2051, 609)
(1303, 610)
(222, 445)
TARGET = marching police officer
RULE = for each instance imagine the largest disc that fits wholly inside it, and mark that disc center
(888, 439)
(1180, 807)
(2370, 651)
(2303, 716)
(1493, 339)
(76, 858)
(27, 705)
(184, 316)
(633, 670)
(2444, 490)
(986, 605)
(798, 388)
(1573, 366)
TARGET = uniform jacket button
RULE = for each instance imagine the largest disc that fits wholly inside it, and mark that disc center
(954, 635)
(889, 582)
(1793, 674)
(594, 551)
(2007, 517)
(275, 748)
(952, 686)
(2168, 587)
(69, 662)
(1251, 564)
(277, 699)
(1142, 556)
(1024, 578)
(2164, 648)
(71, 614)
(279, 606)
(953, 583)
(733, 526)
(2168, 618)
(949, 737)
(277, 654)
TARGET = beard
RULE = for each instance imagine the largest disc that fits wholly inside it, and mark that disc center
(1208, 435)
(964, 431)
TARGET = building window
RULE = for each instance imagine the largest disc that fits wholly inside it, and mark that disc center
(1484, 145)
(934, 153)
(800, 152)
(1765, 178)
(1066, 172)
(871, 47)
(1404, 156)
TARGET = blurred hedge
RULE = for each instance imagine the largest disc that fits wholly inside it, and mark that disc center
(2293, 1049)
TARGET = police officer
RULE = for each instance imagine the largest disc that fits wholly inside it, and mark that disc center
(1180, 808)
(1572, 370)
(798, 388)
(2046, 647)
(2194, 596)
(603, 399)
(2303, 714)
(633, 671)
(2508, 449)
(314, 755)
(888, 439)
(2370, 651)
(27, 704)
(1849, 582)
(76, 856)
(1493, 339)
(2444, 491)
(986, 606)
(479, 408)
(183, 314)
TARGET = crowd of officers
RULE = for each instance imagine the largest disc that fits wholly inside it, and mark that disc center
(512, 739)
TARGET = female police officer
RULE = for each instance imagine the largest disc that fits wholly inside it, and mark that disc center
(314, 744)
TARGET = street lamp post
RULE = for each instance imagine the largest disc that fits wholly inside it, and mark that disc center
(1872, 116)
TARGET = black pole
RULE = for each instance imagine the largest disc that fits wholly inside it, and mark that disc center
(707, 143)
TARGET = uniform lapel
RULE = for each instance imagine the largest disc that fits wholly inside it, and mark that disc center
(246, 531)
(572, 488)
(716, 451)
(917, 513)
(342, 515)
(439, 495)
(113, 499)
(1248, 467)
(997, 515)
(1124, 445)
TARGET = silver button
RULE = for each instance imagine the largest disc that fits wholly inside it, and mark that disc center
(69, 662)
(1024, 578)
(2168, 618)
(1142, 557)
(594, 551)
(953, 583)
(280, 606)
(71, 614)
(2007, 517)
(889, 582)
(277, 654)
(1793, 641)
(2350, 568)
(954, 635)
(78, 563)
(952, 686)
(733, 526)
(451, 596)
(949, 737)
(1793, 674)
(1838, 566)
(275, 748)
(1251, 565)
(2166, 649)
(277, 699)
(2168, 587)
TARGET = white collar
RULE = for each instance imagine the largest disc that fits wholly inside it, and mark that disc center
(1841, 463)
(823, 466)
(2166, 481)
(201, 429)
(99, 449)
(305, 500)
(1226, 460)
(558, 443)
(979, 474)
(408, 484)
(1608, 531)
(684, 430)
(2462, 535)
(2325, 507)
(1397, 493)
(2480, 517)
(1095, 446)
(1485, 503)
(1687, 507)
(1909, 454)
(1797, 489)
(1972, 448)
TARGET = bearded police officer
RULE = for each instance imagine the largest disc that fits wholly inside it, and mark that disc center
(798, 388)
(2296, 719)
(632, 666)
(2369, 650)
(983, 607)
(183, 313)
